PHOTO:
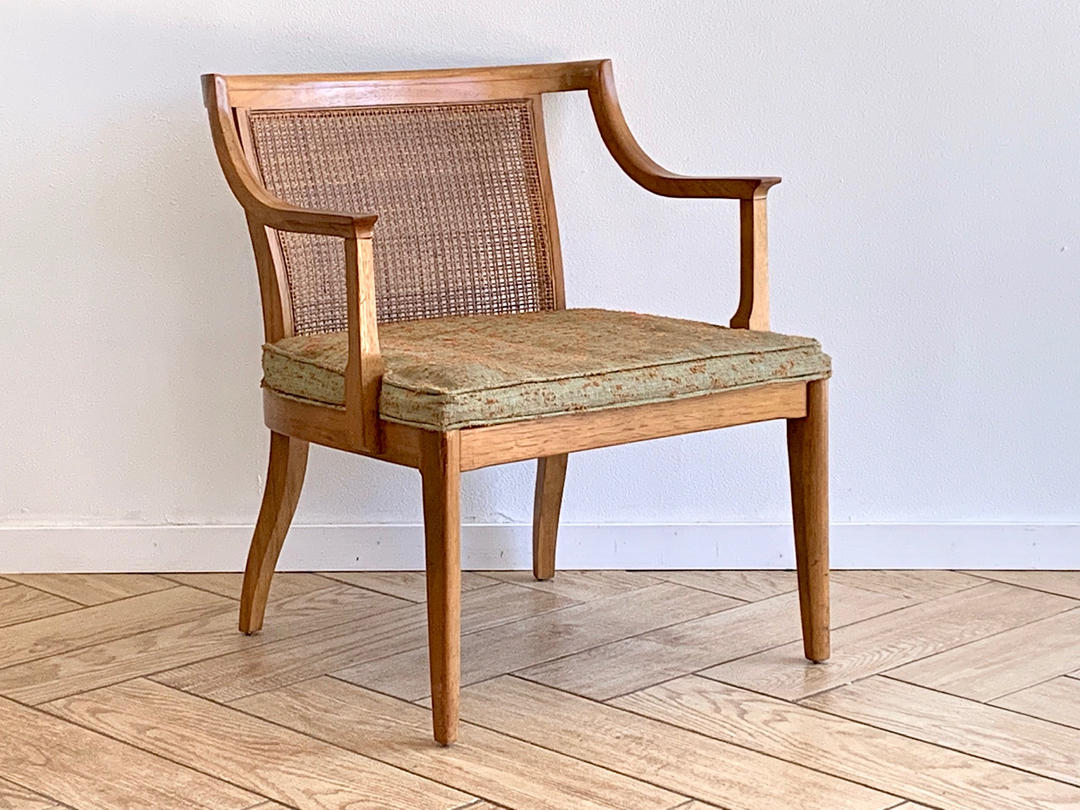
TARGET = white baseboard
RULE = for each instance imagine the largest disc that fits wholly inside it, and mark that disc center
(29, 549)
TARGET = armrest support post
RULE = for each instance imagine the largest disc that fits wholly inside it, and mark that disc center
(364, 369)
(753, 311)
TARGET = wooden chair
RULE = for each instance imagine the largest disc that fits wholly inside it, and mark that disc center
(440, 340)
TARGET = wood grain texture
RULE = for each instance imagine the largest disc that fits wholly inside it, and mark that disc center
(995, 734)
(808, 466)
(541, 638)
(483, 763)
(93, 625)
(283, 585)
(93, 589)
(551, 435)
(20, 603)
(281, 492)
(749, 586)
(231, 676)
(166, 647)
(965, 745)
(993, 667)
(886, 642)
(440, 469)
(288, 767)
(635, 663)
(547, 502)
(914, 585)
(893, 763)
(13, 797)
(1065, 583)
(1057, 700)
(673, 758)
(580, 586)
(753, 311)
(410, 585)
(83, 769)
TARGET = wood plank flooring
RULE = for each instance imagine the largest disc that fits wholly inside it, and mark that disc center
(659, 689)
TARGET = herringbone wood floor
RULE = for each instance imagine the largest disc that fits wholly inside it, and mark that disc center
(598, 689)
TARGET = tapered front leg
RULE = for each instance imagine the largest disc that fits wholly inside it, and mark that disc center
(808, 462)
(440, 468)
(550, 477)
(284, 479)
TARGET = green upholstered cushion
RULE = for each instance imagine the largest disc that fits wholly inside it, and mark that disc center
(485, 369)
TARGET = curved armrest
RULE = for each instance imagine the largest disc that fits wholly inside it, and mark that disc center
(753, 310)
(364, 368)
(260, 204)
(645, 171)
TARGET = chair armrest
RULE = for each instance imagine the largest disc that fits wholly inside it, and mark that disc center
(753, 309)
(260, 204)
(645, 171)
(364, 368)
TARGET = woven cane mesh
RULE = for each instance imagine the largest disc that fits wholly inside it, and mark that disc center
(462, 227)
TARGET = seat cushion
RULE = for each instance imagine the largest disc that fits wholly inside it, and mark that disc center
(467, 371)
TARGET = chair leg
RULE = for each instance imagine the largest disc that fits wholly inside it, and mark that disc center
(284, 479)
(550, 477)
(440, 468)
(808, 463)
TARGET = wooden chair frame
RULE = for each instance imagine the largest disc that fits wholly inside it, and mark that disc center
(441, 457)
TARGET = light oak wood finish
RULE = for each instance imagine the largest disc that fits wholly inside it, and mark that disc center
(13, 797)
(746, 585)
(284, 480)
(174, 646)
(588, 430)
(1065, 583)
(580, 586)
(550, 478)
(1023, 742)
(808, 460)
(410, 585)
(994, 667)
(85, 769)
(530, 641)
(673, 758)
(524, 744)
(19, 604)
(52, 635)
(485, 763)
(292, 768)
(440, 469)
(1057, 700)
(640, 661)
(890, 762)
(357, 426)
(279, 663)
(283, 585)
(886, 642)
(93, 589)
(917, 586)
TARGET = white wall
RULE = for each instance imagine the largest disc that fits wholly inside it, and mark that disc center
(926, 231)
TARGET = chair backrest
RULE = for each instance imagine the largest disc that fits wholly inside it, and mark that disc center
(454, 164)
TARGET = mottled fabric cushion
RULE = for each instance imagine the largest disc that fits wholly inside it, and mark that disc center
(485, 369)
